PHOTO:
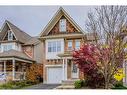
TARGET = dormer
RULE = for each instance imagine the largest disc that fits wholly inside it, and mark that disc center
(9, 36)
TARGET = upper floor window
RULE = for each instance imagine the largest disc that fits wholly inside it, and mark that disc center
(54, 46)
(10, 35)
(7, 47)
(70, 46)
(77, 44)
(62, 25)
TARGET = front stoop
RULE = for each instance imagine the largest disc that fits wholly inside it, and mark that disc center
(67, 84)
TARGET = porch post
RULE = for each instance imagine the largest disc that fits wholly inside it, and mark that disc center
(4, 67)
(63, 70)
(13, 68)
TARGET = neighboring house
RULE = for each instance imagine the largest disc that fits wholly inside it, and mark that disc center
(123, 36)
(17, 51)
(59, 38)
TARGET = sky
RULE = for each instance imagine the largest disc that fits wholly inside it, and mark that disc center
(33, 19)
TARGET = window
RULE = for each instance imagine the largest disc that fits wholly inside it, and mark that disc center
(58, 46)
(74, 68)
(62, 25)
(4, 47)
(77, 44)
(10, 35)
(7, 47)
(49, 47)
(54, 46)
(70, 45)
(0, 47)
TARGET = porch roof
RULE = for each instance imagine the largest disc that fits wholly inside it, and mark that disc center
(65, 54)
(15, 54)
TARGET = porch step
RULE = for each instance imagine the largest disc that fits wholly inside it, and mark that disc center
(65, 87)
(68, 82)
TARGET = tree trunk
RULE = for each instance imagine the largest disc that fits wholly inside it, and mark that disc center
(107, 83)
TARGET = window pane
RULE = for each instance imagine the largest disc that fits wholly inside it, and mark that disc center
(58, 46)
(62, 25)
(10, 35)
(4, 47)
(69, 45)
(9, 47)
(54, 47)
(49, 46)
(74, 70)
(77, 44)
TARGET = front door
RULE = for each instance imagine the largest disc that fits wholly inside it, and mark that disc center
(75, 71)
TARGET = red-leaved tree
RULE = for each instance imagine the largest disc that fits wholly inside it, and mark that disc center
(87, 58)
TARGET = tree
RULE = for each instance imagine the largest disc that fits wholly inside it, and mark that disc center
(107, 24)
(87, 58)
(34, 73)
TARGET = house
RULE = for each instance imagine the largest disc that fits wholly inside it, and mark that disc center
(60, 37)
(17, 51)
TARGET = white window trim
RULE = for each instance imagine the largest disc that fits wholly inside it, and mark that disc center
(7, 47)
(79, 44)
(52, 46)
(68, 44)
(10, 35)
(62, 25)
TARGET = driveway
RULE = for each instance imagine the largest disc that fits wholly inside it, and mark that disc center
(43, 86)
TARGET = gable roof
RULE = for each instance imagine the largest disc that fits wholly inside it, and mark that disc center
(21, 36)
(55, 19)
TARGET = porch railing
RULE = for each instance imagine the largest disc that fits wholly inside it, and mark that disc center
(18, 75)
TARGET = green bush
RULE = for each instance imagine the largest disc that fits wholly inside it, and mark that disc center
(16, 84)
(119, 85)
(79, 84)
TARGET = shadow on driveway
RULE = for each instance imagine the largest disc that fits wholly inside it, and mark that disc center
(43, 86)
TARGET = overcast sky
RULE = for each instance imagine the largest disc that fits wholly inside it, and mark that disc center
(33, 19)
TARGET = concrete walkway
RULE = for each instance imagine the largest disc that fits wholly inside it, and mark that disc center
(43, 86)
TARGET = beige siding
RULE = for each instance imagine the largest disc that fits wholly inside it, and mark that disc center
(38, 54)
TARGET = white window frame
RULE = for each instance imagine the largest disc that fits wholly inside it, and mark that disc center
(62, 25)
(77, 46)
(70, 44)
(54, 46)
(10, 35)
(7, 47)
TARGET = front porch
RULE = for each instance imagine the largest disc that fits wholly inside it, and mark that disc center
(70, 70)
(13, 69)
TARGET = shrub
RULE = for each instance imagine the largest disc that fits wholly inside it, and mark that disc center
(79, 84)
(119, 85)
(16, 84)
(35, 73)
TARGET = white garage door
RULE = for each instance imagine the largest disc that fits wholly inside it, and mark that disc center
(54, 75)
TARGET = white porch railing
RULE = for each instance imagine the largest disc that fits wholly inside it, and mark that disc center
(9, 76)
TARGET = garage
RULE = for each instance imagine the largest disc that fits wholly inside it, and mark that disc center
(54, 75)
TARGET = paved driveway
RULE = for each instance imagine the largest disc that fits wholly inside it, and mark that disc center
(43, 86)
